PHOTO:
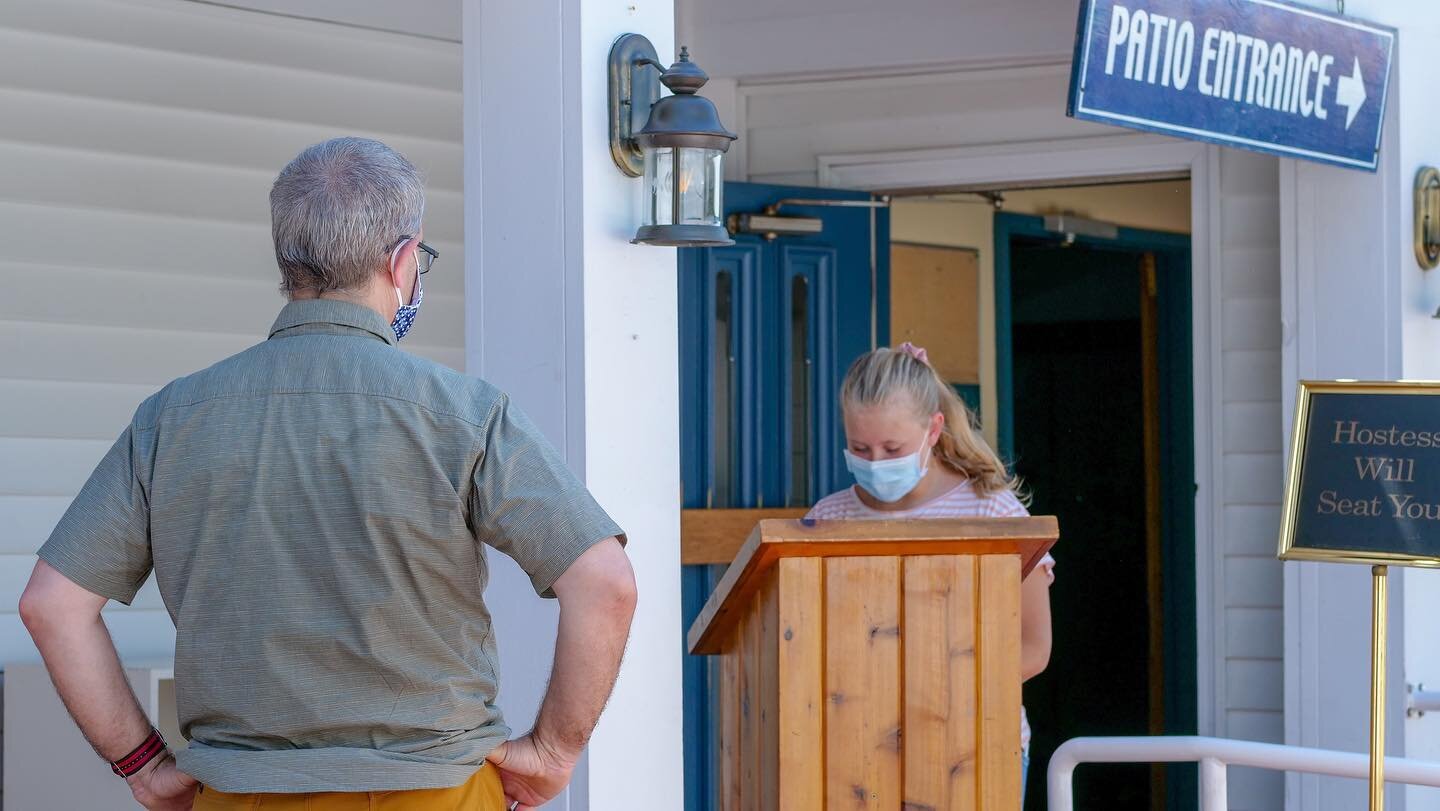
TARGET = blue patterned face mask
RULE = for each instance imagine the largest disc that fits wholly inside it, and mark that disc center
(889, 480)
(405, 315)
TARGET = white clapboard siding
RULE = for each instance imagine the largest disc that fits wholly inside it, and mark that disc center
(48, 467)
(138, 142)
(125, 239)
(105, 297)
(144, 636)
(174, 26)
(57, 409)
(787, 126)
(25, 521)
(163, 187)
(1251, 469)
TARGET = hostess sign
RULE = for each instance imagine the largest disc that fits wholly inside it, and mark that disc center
(1256, 74)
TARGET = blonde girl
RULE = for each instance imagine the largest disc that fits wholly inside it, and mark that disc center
(914, 452)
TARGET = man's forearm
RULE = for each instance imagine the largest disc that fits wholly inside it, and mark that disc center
(87, 674)
(588, 650)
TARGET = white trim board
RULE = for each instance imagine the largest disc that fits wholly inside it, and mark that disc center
(1013, 164)
(1112, 156)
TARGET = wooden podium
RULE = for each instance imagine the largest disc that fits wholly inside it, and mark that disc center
(872, 664)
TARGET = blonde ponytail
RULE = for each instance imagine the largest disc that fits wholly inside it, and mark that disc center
(879, 376)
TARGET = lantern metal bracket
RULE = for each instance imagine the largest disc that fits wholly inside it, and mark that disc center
(634, 88)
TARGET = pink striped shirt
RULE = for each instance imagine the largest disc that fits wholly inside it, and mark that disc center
(960, 501)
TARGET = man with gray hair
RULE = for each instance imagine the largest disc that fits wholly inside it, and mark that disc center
(315, 511)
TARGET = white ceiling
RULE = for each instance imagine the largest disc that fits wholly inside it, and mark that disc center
(754, 39)
(439, 19)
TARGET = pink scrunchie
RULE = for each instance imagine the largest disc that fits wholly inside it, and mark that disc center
(916, 352)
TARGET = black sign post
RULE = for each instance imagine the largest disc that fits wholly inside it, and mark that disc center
(1364, 487)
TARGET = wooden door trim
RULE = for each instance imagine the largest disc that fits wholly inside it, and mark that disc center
(715, 536)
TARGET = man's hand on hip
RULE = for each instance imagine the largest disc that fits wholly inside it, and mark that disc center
(597, 600)
(531, 773)
(160, 786)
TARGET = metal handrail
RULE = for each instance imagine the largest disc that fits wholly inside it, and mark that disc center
(1419, 701)
(1216, 754)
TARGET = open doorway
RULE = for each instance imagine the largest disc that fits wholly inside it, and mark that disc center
(1082, 319)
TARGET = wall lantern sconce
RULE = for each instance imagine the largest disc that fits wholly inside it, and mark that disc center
(1427, 217)
(676, 143)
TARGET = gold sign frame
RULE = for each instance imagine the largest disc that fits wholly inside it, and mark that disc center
(1291, 504)
(1379, 561)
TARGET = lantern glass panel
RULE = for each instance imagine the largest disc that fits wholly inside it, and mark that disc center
(684, 186)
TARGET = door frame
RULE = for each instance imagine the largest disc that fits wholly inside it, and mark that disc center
(833, 275)
(1008, 225)
(1174, 349)
(1074, 161)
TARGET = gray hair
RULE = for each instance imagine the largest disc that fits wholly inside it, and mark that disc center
(337, 208)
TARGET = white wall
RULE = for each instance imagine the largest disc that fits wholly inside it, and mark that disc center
(580, 327)
(1357, 305)
(138, 142)
(632, 455)
(1419, 144)
(1247, 625)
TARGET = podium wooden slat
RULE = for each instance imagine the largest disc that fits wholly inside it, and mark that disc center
(998, 623)
(802, 668)
(730, 669)
(768, 698)
(750, 707)
(862, 681)
(872, 665)
(940, 700)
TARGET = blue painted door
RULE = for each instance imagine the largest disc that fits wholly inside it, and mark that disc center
(767, 329)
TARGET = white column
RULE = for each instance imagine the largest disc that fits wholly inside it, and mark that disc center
(579, 326)
(1418, 132)
(1356, 304)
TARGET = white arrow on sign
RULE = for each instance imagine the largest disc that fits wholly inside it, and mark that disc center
(1350, 94)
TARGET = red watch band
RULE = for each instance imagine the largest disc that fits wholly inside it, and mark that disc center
(153, 745)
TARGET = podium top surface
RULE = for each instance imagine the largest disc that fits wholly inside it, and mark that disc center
(771, 540)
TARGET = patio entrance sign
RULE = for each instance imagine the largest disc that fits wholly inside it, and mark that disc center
(1258, 74)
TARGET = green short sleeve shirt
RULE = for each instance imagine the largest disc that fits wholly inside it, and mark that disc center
(316, 511)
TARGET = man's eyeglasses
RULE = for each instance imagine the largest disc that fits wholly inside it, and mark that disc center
(428, 255)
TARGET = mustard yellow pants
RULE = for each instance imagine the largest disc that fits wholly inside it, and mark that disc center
(481, 792)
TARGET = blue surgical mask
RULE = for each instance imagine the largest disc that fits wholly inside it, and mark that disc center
(889, 480)
(405, 315)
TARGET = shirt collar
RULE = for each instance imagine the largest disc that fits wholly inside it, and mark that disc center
(333, 311)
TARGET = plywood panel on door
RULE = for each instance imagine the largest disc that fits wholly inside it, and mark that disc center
(935, 303)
